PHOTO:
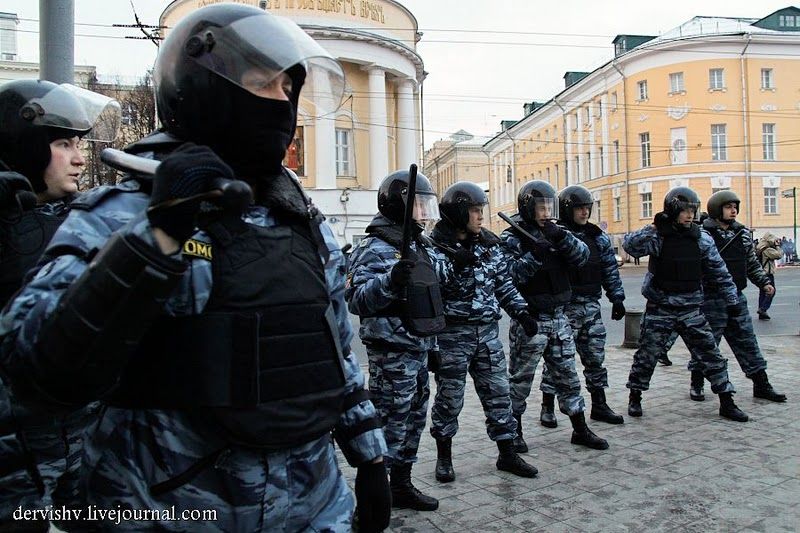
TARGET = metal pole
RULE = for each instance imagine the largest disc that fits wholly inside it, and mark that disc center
(57, 40)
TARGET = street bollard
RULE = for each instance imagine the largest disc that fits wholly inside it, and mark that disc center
(633, 322)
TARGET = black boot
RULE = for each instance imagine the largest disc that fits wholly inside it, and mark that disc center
(664, 360)
(635, 403)
(404, 494)
(728, 409)
(582, 435)
(548, 414)
(510, 461)
(520, 446)
(762, 388)
(696, 388)
(444, 461)
(601, 411)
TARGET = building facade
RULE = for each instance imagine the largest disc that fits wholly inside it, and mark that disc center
(712, 104)
(457, 158)
(342, 158)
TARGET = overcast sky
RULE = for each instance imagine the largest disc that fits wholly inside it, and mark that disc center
(485, 58)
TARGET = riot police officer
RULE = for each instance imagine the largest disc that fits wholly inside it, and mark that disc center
(587, 281)
(41, 127)
(681, 254)
(473, 296)
(377, 285)
(542, 252)
(229, 307)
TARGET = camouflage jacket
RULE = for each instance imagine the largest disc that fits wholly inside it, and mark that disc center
(755, 272)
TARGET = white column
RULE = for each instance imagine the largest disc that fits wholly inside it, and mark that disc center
(325, 151)
(593, 159)
(378, 142)
(604, 125)
(568, 166)
(407, 152)
(580, 174)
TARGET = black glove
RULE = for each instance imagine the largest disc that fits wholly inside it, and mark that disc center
(617, 311)
(434, 360)
(529, 324)
(463, 257)
(400, 275)
(189, 171)
(662, 222)
(553, 232)
(10, 183)
(373, 497)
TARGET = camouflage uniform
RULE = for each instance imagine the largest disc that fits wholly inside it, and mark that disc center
(133, 450)
(587, 325)
(473, 298)
(668, 312)
(554, 341)
(398, 360)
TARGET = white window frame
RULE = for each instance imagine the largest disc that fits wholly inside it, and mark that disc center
(768, 137)
(344, 152)
(617, 209)
(641, 90)
(719, 142)
(646, 204)
(770, 200)
(767, 79)
(614, 101)
(616, 157)
(644, 143)
(601, 153)
(676, 85)
(716, 79)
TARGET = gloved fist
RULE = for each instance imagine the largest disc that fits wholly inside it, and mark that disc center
(463, 257)
(400, 275)
(434, 360)
(617, 311)
(528, 323)
(10, 183)
(373, 497)
(553, 232)
(189, 171)
(662, 221)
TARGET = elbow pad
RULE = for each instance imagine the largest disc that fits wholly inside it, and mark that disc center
(84, 346)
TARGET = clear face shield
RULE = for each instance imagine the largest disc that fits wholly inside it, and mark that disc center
(544, 209)
(426, 208)
(94, 116)
(260, 48)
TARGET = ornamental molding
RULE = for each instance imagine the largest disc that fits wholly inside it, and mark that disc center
(677, 113)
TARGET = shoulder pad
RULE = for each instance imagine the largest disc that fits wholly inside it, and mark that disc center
(91, 198)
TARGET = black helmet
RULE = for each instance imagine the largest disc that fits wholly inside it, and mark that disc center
(717, 200)
(679, 199)
(393, 192)
(209, 71)
(457, 200)
(533, 193)
(34, 113)
(571, 197)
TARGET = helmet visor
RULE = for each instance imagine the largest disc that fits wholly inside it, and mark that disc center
(90, 115)
(260, 48)
(542, 209)
(426, 207)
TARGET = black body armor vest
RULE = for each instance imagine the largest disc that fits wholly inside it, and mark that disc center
(587, 280)
(678, 269)
(263, 361)
(549, 287)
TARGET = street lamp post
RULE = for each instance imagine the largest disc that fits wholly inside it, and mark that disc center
(792, 193)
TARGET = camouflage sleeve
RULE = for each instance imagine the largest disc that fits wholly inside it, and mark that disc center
(755, 272)
(612, 283)
(368, 290)
(644, 242)
(506, 292)
(521, 265)
(573, 249)
(358, 431)
(714, 267)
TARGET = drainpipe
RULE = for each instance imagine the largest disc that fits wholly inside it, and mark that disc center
(745, 128)
(625, 138)
(564, 132)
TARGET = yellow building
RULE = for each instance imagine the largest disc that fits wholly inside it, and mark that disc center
(342, 158)
(712, 104)
(457, 158)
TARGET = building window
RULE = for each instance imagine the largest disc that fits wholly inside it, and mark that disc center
(642, 89)
(588, 165)
(767, 79)
(789, 21)
(578, 169)
(644, 141)
(618, 208)
(719, 142)
(596, 211)
(555, 132)
(768, 141)
(601, 154)
(295, 156)
(770, 200)
(344, 152)
(547, 170)
(616, 157)
(556, 174)
(588, 115)
(716, 79)
(676, 82)
(599, 109)
(647, 204)
(614, 101)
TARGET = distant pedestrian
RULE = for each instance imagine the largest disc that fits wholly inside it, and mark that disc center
(767, 252)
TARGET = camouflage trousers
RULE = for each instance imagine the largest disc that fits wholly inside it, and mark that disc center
(590, 342)
(40, 459)
(399, 389)
(554, 343)
(658, 325)
(214, 485)
(476, 349)
(736, 326)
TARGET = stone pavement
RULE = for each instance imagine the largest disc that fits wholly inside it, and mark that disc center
(681, 467)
